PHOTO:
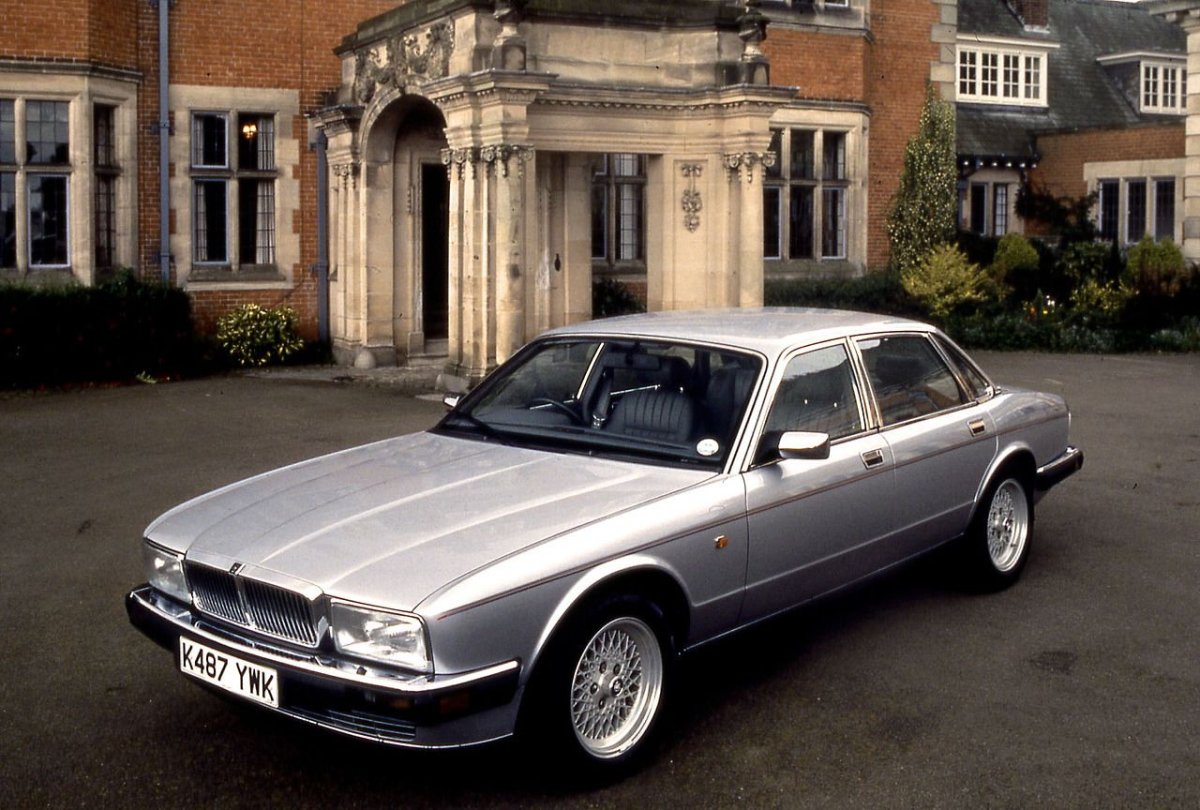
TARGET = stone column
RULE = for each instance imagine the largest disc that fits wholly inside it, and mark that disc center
(747, 170)
(1186, 14)
(507, 262)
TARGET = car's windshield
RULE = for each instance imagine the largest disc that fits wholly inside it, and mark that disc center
(645, 400)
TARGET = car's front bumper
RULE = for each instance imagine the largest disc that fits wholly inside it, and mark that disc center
(1069, 462)
(412, 710)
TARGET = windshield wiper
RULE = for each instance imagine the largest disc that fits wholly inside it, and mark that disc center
(468, 420)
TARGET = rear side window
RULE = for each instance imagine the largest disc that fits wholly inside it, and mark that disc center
(977, 384)
(909, 377)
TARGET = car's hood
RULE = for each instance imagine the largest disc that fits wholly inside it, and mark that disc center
(389, 523)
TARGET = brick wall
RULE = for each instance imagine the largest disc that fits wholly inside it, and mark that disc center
(265, 44)
(824, 66)
(51, 29)
(1060, 171)
(898, 64)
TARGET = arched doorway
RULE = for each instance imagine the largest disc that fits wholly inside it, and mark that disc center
(421, 197)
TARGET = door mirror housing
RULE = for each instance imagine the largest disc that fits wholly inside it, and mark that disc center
(803, 444)
(450, 401)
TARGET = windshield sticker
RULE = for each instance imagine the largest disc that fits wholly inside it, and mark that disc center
(708, 447)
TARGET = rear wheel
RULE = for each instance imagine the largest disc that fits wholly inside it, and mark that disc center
(998, 542)
(600, 693)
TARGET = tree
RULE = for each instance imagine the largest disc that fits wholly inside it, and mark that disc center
(923, 214)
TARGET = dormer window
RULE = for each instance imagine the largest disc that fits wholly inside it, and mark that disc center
(1164, 88)
(1001, 73)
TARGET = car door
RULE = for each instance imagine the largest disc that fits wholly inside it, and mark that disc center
(815, 524)
(941, 441)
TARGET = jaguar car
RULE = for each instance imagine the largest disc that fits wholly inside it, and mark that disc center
(615, 495)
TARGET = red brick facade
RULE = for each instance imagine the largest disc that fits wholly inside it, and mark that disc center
(1063, 155)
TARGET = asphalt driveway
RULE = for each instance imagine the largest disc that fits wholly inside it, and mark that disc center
(1078, 687)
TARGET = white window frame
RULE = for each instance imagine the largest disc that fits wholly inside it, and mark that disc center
(1149, 172)
(1001, 72)
(1154, 78)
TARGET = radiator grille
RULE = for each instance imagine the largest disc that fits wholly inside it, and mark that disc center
(256, 605)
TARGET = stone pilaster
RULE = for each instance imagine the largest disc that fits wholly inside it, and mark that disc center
(1186, 14)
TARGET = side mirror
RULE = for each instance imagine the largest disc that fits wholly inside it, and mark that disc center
(450, 401)
(803, 444)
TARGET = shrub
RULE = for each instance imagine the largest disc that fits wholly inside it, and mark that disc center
(253, 335)
(873, 292)
(117, 331)
(1014, 254)
(944, 280)
(610, 298)
(1157, 268)
(1096, 302)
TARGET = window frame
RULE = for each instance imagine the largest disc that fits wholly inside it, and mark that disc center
(983, 74)
(231, 175)
(965, 398)
(30, 238)
(807, 169)
(1152, 87)
(615, 190)
(862, 401)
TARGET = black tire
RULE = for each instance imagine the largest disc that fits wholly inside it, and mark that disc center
(998, 542)
(582, 708)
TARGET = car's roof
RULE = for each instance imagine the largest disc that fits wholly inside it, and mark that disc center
(766, 329)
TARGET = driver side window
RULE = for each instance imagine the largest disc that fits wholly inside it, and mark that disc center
(817, 394)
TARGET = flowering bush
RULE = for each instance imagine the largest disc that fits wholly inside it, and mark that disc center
(1157, 268)
(255, 336)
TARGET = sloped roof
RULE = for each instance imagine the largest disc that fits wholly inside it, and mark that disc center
(1081, 93)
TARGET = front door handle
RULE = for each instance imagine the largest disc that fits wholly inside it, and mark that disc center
(872, 458)
(977, 427)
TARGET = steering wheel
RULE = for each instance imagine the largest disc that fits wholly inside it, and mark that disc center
(557, 405)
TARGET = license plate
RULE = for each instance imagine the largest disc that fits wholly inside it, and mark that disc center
(257, 683)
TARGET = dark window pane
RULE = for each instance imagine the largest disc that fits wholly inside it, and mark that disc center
(256, 222)
(1164, 209)
(803, 155)
(800, 222)
(999, 209)
(978, 207)
(208, 141)
(47, 220)
(833, 230)
(105, 143)
(600, 221)
(8, 131)
(209, 232)
(1135, 224)
(1110, 202)
(834, 158)
(776, 149)
(771, 223)
(46, 132)
(106, 229)
(8, 219)
(256, 143)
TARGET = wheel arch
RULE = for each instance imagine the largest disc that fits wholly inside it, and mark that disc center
(638, 576)
(1018, 460)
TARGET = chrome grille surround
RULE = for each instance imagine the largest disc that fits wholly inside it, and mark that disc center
(258, 606)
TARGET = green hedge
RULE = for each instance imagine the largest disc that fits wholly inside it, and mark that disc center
(113, 332)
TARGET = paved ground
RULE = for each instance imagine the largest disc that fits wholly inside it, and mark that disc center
(1078, 687)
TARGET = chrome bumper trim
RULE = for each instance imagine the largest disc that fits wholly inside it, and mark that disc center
(1066, 465)
(177, 618)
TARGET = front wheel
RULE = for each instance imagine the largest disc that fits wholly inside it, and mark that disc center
(998, 541)
(599, 695)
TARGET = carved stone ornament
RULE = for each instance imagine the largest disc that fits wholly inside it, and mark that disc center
(692, 202)
(404, 59)
(746, 161)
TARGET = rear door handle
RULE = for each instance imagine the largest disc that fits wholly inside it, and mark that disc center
(977, 427)
(872, 458)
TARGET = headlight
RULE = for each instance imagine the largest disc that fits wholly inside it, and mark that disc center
(164, 570)
(394, 638)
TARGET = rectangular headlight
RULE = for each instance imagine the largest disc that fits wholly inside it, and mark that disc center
(393, 638)
(164, 571)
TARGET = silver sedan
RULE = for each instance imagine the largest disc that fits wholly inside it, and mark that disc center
(617, 494)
